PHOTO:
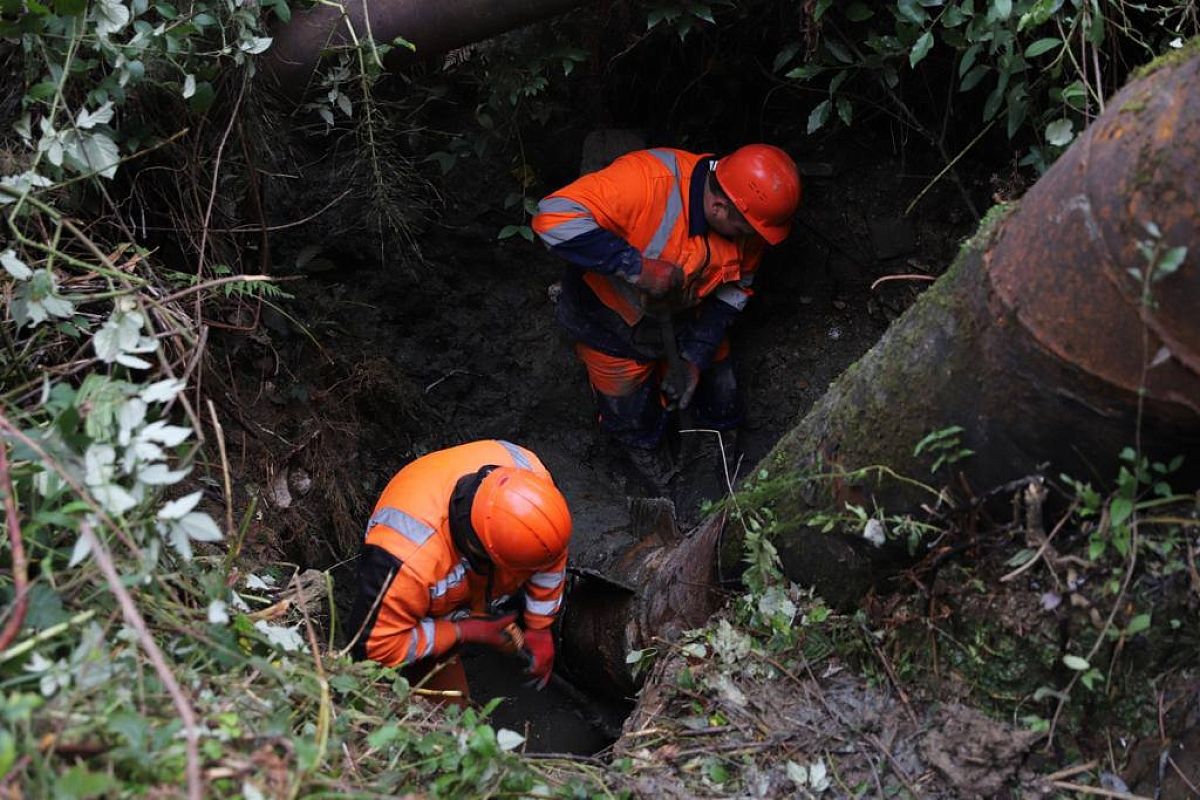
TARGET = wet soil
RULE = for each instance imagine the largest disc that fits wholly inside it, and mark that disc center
(376, 364)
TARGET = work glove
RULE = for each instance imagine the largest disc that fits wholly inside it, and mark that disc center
(658, 278)
(490, 631)
(681, 388)
(539, 655)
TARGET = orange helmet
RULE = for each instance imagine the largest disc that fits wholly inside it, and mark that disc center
(764, 184)
(521, 519)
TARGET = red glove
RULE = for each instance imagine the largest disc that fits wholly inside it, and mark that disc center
(539, 650)
(658, 278)
(490, 631)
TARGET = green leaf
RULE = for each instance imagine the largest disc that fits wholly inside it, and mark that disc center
(838, 51)
(1076, 663)
(1171, 261)
(921, 48)
(42, 91)
(992, 104)
(1138, 624)
(1042, 46)
(912, 11)
(1060, 132)
(508, 231)
(202, 100)
(973, 77)
(382, 737)
(819, 116)
(15, 266)
(845, 110)
(1000, 10)
(807, 72)
(968, 60)
(785, 55)
(79, 783)
(1120, 510)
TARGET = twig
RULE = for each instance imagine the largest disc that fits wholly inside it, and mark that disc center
(891, 673)
(1182, 777)
(1079, 788)
(215, 282)
(949, 166)
(1101, 637)
(363, 626)
(47, 634)
(908, 276)
(1045, 544)
(212, 411)
(134, 620)
(253, 228)
(19, 567)
(1075, 770)
(69, 479)
(212, 195)
(896, 768)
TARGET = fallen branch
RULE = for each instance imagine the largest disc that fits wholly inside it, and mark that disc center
(1079, 788)
(134, 620)
(19, 567)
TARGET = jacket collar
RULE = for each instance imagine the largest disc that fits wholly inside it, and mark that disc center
(697, 223)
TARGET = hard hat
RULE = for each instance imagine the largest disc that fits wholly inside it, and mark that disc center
(764, 184)
(521, 519)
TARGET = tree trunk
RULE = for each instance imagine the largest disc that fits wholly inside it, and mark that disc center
(432, 27)
(1037, 341)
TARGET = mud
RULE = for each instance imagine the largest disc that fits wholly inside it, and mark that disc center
(373, 365)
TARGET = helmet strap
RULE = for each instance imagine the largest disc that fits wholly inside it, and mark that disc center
(462, 532)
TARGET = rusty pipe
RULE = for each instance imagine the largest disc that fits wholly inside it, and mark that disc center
(660, 586)
(1065, 263)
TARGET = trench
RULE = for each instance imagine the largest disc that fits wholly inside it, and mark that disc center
(397, 360)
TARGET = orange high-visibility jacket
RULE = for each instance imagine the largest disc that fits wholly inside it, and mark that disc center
(648, 199)
(430, 582)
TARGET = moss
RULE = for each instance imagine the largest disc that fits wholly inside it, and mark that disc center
(984, 233)
(1171, 58)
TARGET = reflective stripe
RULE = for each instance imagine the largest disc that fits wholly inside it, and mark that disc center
(427, 629)
(568, 229)
(547, 580)
(746, 281)
(732, 295)
(543, 607)
(402, 523)
(411, 655)
(561, 205)
(674, 207)
(518, 455)
(454, 578)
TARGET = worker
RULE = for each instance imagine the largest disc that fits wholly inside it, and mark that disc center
(664, 233)
(463, 543)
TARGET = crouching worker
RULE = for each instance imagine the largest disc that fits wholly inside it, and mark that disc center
(466, 545)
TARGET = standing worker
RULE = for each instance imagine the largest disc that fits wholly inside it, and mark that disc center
(662, 248)
(461, 541)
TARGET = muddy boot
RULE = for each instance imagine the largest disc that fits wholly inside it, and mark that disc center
(702, 476)
(652, 470)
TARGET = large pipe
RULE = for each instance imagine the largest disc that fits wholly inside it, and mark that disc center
(1036, 341)
(660, 586)
(432, 27)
